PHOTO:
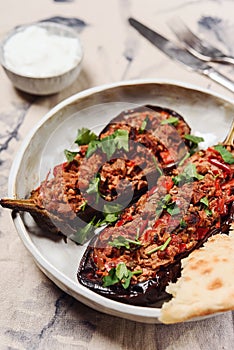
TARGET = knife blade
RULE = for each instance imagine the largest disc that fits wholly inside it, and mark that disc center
(181, 55)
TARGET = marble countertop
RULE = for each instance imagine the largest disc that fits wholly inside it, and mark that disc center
(36, 314)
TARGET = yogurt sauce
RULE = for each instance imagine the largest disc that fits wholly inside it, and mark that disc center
(37, 53)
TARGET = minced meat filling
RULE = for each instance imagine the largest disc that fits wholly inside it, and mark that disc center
(178, 214)
(129, 172)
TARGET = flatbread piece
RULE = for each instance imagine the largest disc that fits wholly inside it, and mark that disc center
(206, 285)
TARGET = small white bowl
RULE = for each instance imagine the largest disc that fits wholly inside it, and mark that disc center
(49, 84)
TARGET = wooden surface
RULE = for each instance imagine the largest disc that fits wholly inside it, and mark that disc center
(35, 314)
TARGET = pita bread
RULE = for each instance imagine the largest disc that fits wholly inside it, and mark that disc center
(206, 285)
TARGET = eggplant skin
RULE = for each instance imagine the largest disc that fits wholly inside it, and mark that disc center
(142, 294)
(150, 291)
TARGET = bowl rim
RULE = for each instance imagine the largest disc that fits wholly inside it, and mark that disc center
(44, 24)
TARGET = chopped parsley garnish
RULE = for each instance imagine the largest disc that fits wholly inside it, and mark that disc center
(208, 212)
(173, 209)
(194, 141)
(162, 204)
(160, 247)
(143, 125)
(183, 223)
(157, 166)
(109, 144)
(83, 205)
(94, 187)
(171, 120)
(93, 145)
(189, 174)
(167, 204)
(225, 154)
(85, 232)
(111, 213)
(121, 241)
(70, 155)
(121, 274)
(85, 136)
(187, 155)
(204, 201)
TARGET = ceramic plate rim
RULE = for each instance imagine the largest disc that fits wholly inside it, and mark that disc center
(136, 313)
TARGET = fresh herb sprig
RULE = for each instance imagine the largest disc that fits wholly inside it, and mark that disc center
(189, 174)
(85, 232)
(171, 120)
(167, 204)
(120, 274)
(143, 125)
(70, 155)
(225, 154)
(111, 213)
(205, 203)
(160, 247)
(94, 187)
(121, 241)
(84, 137)
(109, 144)
(194, 141)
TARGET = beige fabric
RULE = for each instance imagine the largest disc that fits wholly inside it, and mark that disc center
(206, 285)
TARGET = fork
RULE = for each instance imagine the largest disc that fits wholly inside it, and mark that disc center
(198, 47)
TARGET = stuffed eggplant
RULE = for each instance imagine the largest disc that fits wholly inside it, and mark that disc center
(133, 260)
(122, 163)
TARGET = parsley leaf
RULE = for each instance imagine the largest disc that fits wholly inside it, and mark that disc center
(110, 279)
(110, 218)
(109, 144)
(160, 247)
(143, 125)
(173, 209)
(70, 155)
(205, 201)
(183, 223)
(166, 204)
(111, 213)
(93, 145)
(187, 155)
(121, 139)
(121, 241)
(208, 212)
(157, 166)
(85, 232)
(94, 185)
(162, 204)
(225, 154)
(83, 205)
(85, 136)
(121, 271)
(189, 174)
(127, 279)
(171, 120)
(121, 274)
(194, 141)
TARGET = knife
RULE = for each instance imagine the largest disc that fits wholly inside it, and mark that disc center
(177, 53)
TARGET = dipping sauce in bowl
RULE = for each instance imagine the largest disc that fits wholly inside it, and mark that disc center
(42, 58)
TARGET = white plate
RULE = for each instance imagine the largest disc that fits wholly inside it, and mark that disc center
(43, 148)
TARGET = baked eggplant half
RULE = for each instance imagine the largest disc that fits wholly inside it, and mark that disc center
(121, 164)
(133, 260)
